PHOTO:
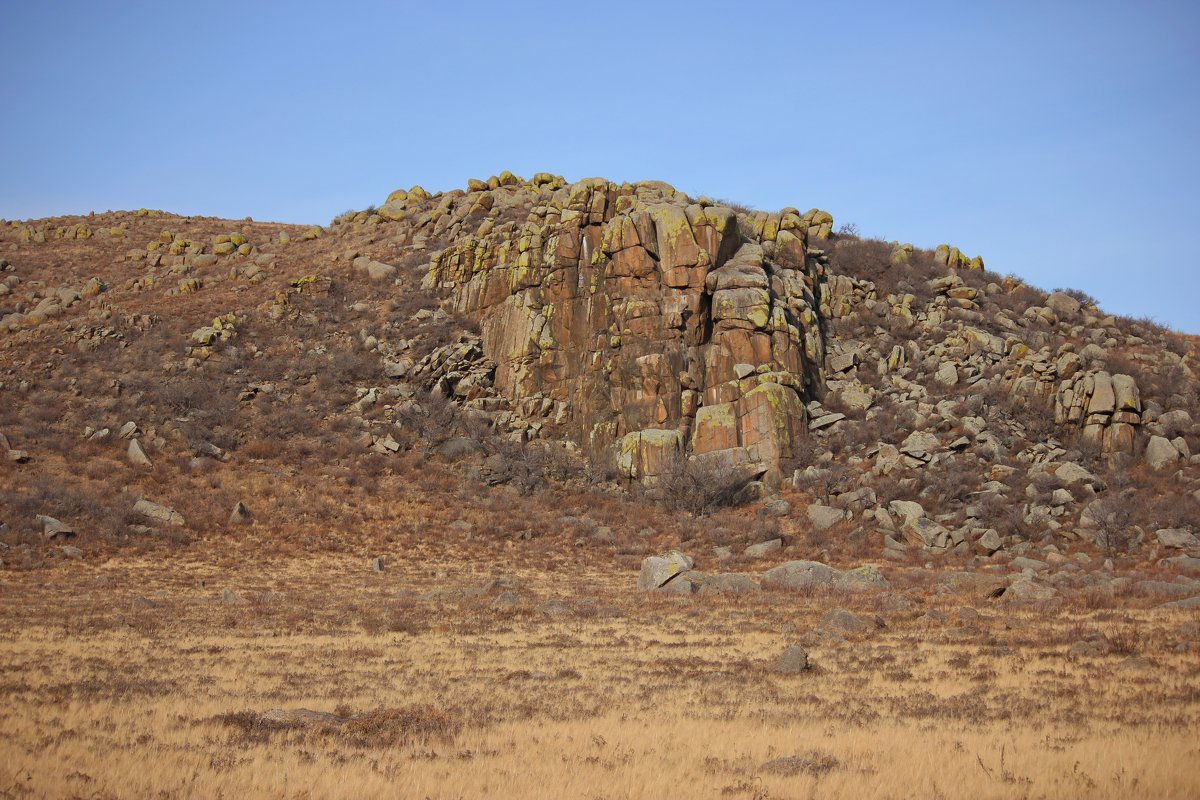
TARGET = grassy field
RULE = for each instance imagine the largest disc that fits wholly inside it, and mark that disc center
(152, 677)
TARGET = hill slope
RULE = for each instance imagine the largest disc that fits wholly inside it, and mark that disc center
(602, 334)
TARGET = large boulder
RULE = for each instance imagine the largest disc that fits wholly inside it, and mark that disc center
(1160, 453)
(375, 270)
(646, 455)
(1178, 538)
(1063, 304)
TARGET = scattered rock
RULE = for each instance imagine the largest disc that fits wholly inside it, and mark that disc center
(54, 529)
(842, 620)
(1161, 454)
(1027, 590)
(866, 578)
(240, 514)
(763, 548)
(158, 513)
(990, 541)
(792, 661)
(824, 517)
(659, 571)
(1177, 538)
(137, 456)
(795, 575)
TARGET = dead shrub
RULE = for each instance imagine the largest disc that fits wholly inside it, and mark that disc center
(700, 486)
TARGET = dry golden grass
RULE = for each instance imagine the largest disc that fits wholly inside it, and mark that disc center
(137, 678)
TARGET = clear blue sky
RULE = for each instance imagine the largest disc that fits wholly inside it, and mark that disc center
(1057, 139)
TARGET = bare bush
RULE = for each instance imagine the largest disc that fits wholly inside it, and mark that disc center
(700, 486)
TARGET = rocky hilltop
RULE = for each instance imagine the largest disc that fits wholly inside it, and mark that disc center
(909, 395)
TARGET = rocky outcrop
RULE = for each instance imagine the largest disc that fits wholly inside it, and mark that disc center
(1108, 407)
(651, 323)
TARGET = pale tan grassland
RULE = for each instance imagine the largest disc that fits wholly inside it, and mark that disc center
(126, 679)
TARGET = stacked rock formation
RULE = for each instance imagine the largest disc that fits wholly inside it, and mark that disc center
(653, 323)
(1109, 407)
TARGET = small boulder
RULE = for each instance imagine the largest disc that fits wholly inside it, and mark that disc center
(53, 528)
(842, 620)
(989, 542)
(158, 513)
(658, 571)
(763, 548)
(824, 517)
(240, 514)
(1027, 590)
(791, 661)
(137, 456)
(866, 578)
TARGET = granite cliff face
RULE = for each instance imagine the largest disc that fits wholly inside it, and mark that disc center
(643, 320)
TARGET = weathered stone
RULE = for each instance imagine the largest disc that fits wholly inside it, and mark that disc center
(240, 514)
(824, 517)
(1177, 537)
(792, 661)
(158, 513)
(1027, 590)
(658, 571)
(990, 541)
(795, 575)
(840, 619)
(1063, 304)
(865, 578)
(763, 548)
(137, 456)
(1160, 453)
